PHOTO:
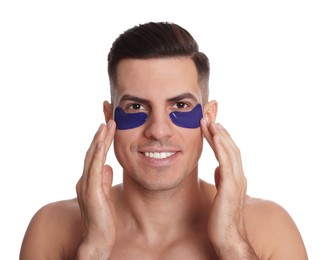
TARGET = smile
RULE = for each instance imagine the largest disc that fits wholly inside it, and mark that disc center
(159, 155)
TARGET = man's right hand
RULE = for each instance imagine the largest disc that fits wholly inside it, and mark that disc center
(94, 197)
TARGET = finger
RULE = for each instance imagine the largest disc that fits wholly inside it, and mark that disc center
(104, 134)
(228, 153)
(79, 192)
(94, 179)
(214, 136)
(107, 177)
(220, 148)
(206, 132)
(98, 137)
(225, 152)
(211, 133)
(227, 136)
(235, 153)
(217, 176)
(84, 183)
(111, 129)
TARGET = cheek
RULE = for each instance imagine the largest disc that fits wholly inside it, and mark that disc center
(193, 142)
(123, 141)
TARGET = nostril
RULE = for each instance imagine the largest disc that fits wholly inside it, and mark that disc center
(158, 128)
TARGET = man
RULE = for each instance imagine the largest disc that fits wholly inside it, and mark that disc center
(157, 118)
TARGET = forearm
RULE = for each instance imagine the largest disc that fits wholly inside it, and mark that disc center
(92, 252)
(241, 251)
(234, 247)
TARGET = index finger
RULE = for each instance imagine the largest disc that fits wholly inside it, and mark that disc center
(105, 134)
(111, 129)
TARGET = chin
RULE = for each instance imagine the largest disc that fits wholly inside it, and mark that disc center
(159, 186)
(159, 181)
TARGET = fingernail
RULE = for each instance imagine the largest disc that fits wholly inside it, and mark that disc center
(219, 126)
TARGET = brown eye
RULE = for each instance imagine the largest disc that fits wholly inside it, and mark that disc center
(136, 106)
(181, 105)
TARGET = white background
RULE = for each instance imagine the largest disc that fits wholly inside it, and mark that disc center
(265, 66)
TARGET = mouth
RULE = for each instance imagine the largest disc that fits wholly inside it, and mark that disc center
(159, 155)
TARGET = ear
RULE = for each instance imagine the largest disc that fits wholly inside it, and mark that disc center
(210, 111)
(108, 111)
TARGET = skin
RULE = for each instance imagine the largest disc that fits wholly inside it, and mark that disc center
(162, 210)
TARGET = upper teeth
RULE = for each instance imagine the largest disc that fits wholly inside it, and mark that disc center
(157, 155)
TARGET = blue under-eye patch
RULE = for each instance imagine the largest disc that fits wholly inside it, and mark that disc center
(189, 119)
(127, 121)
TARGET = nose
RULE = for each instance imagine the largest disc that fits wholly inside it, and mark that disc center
(158, 126)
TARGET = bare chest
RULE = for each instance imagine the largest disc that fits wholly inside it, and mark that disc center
(189, 247)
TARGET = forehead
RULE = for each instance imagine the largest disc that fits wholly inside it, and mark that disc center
(157, 78)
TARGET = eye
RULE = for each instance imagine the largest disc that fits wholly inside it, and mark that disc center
(181, 105)
(136, 106)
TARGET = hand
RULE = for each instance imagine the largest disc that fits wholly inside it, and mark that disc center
(226, 224)
(93, 191)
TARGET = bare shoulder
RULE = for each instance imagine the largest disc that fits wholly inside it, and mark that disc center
(54, 231)
(272, 231)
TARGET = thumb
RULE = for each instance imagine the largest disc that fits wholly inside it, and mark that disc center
(107, 177)
(217, 176)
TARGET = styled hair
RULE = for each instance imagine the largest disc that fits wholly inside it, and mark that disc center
(157, 40)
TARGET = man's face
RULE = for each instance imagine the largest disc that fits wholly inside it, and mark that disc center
(158, 155)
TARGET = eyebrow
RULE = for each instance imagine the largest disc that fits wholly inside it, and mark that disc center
(183, 96)
(186, 95)
(133, 98)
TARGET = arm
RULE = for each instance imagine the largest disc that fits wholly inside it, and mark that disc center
(226, 225)
(93, 190)
(230, 228)
(57, 231)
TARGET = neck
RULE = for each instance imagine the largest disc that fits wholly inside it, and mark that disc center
(165, 212)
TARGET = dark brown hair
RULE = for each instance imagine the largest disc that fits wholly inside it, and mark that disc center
(157, 40)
